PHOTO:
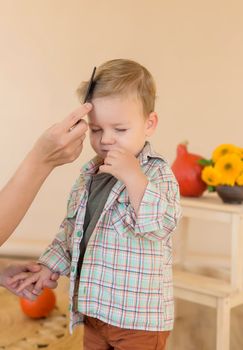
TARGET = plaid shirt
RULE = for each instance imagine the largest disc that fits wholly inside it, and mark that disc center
(126, 276)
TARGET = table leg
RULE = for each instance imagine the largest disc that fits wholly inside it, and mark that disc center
(223, 324)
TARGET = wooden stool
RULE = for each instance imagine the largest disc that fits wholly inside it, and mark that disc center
(213, 292)
(210, 292)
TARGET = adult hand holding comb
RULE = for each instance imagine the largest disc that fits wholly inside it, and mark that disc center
(61, 143)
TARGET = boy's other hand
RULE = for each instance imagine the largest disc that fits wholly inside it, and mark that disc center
(37, 279)
(9, 272)
(13, 278)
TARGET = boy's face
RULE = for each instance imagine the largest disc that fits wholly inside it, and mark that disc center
(119, 122)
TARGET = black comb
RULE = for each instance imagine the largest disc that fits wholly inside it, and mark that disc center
(90, 86)
(88, 93)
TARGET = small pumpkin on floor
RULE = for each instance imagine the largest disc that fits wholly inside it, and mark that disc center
(41, 307)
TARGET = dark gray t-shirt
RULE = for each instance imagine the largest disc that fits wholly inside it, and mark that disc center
(100, 187)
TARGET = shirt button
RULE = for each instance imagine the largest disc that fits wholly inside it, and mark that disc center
(73, 268)
(79, 233)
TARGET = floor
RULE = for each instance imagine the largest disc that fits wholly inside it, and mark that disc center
(194, 326)
(18, 332)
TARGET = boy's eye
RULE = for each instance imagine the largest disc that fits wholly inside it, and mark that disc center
(120, 130)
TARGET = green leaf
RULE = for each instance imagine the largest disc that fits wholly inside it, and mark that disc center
(205, 162)
(211, 189)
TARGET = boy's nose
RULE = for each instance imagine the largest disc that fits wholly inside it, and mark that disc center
(107, 139)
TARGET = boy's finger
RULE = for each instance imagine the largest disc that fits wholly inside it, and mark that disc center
(55, 276)
(37, 291)
(105, 169)
(50, 284)
(38, 288)
(76, 115)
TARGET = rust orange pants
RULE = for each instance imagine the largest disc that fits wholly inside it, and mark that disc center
(99, 335)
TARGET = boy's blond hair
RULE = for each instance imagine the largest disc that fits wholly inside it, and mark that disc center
(122, 77)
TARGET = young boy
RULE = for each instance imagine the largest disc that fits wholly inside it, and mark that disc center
(115, 242)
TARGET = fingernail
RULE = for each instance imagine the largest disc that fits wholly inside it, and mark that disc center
(88, 105)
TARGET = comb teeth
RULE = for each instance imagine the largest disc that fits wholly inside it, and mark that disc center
(90, 86)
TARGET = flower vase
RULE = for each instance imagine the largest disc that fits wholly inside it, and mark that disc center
(230, 194)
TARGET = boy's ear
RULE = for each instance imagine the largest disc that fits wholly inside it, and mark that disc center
(152, 122)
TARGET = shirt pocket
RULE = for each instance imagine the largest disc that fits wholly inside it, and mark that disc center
(122, 216)
(77, 200)
(73, 204)
(122, 223)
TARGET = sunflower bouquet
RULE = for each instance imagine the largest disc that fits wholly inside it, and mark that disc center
(224, 168)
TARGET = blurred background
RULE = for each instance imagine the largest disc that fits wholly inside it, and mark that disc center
(194, 50)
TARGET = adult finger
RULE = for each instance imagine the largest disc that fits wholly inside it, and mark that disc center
(27, 282)
(16, 278)
(28, 295)
(72, 119)
(78, 129)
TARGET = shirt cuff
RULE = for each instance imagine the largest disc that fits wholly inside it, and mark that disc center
(55, 262)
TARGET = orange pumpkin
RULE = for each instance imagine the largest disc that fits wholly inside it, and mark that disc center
(41, 307)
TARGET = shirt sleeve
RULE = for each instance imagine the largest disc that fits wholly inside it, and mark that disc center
(57, 256)
(159, 210)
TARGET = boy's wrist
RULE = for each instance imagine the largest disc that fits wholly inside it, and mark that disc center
(136, 186)
(135, 178)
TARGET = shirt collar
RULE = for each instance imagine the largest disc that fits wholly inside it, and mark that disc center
(147, 153)
(92, 166)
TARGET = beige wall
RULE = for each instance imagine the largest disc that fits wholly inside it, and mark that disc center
(193, 48)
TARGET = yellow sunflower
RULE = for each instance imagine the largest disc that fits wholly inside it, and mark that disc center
(239, 151)
(222, 150)
(229, 166)
(239, 180)
(211, 176)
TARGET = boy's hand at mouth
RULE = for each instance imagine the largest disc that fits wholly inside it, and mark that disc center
(125, 167)
(122, 164)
